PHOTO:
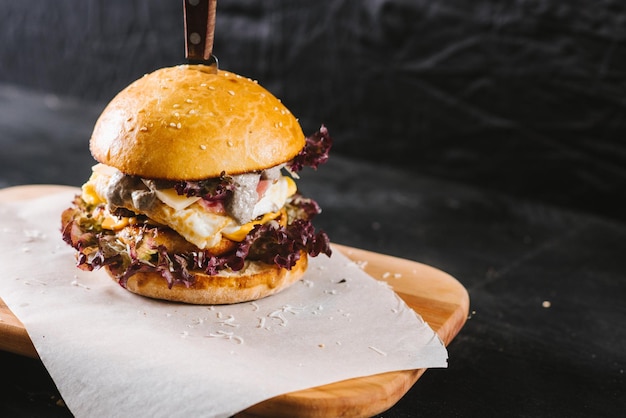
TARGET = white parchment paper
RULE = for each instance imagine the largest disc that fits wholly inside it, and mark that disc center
(112, 353)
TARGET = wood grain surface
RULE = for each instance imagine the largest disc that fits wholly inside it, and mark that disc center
(436, 296)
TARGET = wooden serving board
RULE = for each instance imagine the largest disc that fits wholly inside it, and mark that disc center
(438, 297)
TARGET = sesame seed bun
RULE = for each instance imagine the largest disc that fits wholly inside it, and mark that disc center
(188, 123)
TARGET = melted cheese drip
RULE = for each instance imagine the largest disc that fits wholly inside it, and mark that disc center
(187, 216)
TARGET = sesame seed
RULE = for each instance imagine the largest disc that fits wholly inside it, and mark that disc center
(192, 111)
(189, 101)
(202, 84)
(232, 93)
(143, 129)
(203, 147)
(173, 125)
(179, 125)
(211, 88)
(176, 106)
(177, 114)
(229, 143)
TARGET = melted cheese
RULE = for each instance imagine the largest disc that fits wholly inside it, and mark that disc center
(239, 232)
(187, 216)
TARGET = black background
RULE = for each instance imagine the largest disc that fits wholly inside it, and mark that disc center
(525, 97)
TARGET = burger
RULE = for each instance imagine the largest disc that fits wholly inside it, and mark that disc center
(193, 197)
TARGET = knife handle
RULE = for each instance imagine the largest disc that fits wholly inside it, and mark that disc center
(199, 18)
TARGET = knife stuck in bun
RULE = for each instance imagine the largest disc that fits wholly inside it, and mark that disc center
(193, 197)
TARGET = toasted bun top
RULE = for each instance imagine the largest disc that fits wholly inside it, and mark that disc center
(188, 123)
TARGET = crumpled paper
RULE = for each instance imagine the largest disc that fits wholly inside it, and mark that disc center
(113, 353)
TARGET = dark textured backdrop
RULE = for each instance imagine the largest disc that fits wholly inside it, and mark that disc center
(524, 97)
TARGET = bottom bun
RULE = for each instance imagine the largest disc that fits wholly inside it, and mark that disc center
(255, 281)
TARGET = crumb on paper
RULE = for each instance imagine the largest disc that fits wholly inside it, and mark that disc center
(76, 283)
(278, 314)
(33, 282)
(196, 322)
(377, 350)
(229, 322)
(226, 336)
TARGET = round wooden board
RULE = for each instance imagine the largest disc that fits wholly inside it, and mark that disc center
(436, 296)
